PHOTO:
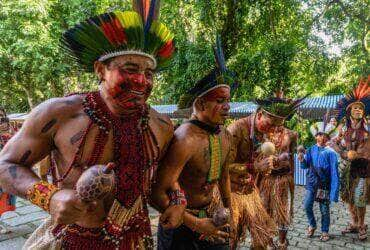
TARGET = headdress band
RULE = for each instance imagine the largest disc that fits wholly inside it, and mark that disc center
(356, 102)
(273, 115)
(127, 52)
(215, 87)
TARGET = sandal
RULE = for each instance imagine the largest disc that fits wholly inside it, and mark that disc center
(310, 231)
(362, 233)
(283, 246)
(350, 229)
(324, 237)
(4, 230)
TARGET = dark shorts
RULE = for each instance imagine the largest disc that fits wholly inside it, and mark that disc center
(183, 238)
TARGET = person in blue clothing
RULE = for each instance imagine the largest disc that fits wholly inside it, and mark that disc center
(322, 177)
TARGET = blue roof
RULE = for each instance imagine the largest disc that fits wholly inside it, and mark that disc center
(323, 102)
(312, 108)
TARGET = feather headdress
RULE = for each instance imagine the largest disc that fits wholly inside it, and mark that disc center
(220, 76)
(279, 107)
(120, 33)
(360, 95)
(324, 127)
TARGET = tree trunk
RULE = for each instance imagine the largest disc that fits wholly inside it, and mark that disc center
(30, 99)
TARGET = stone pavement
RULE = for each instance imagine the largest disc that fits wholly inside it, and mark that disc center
(27, 218)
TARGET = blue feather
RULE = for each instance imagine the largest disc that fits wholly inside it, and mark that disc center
(150, 17)
(219, 55)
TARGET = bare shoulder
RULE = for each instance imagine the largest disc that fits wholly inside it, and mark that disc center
(53, 111)
(161, 121)
(57, 107)
(186, 134)
(238, 126)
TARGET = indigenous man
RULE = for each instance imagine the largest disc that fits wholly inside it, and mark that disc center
(198, 157)
(353, 136)
(7, 201)
(273, 174)
(322, 177)
(113, 124)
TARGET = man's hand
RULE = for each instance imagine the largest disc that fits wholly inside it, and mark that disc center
(265, 164)
(206, 227)
(172, 217)
(241, 183)
(66, 208)
(300, 157)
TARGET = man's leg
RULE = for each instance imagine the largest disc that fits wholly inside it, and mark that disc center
(164, 238)
(362, 228)
(361, 211)
(325, 220)
(308, 207)
(183, 238)
(353, 212)
(352, 227)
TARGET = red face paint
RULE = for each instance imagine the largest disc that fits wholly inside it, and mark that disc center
(129, 90)
(218, 102)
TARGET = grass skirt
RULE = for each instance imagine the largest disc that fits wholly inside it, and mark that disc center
(277, 194)
(249, 213)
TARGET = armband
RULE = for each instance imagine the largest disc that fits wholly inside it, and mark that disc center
(41, 193)
(177, 197)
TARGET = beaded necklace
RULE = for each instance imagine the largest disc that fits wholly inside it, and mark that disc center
(128, 141)
(215, 151)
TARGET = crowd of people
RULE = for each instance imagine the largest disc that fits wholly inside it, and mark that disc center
(212, 184)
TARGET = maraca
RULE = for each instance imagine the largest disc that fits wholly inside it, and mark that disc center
(268, 148)
(96, 182)
(221, 217)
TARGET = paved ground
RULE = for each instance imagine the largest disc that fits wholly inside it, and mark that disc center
(28, 217)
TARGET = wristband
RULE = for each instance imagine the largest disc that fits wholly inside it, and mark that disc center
(41, 193)
(177, 197)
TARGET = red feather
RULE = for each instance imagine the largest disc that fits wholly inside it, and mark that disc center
(362, 90)
(114, 32)
(142, 7)
(166, 50)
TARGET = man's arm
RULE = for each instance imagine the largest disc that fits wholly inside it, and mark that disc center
(31, 144)
(170, 169)
(224, 184)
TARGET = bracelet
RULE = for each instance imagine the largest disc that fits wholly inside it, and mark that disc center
(177, 197)
(41, 193)
(196, 224)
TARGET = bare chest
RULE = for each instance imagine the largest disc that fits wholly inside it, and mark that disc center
(205, 153)
(80, 144)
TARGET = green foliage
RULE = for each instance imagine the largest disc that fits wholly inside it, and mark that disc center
(269, 44)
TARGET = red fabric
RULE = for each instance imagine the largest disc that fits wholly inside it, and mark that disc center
(5, 199)
(5, 203)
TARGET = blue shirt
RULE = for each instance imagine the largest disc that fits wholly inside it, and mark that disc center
(325, 162)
